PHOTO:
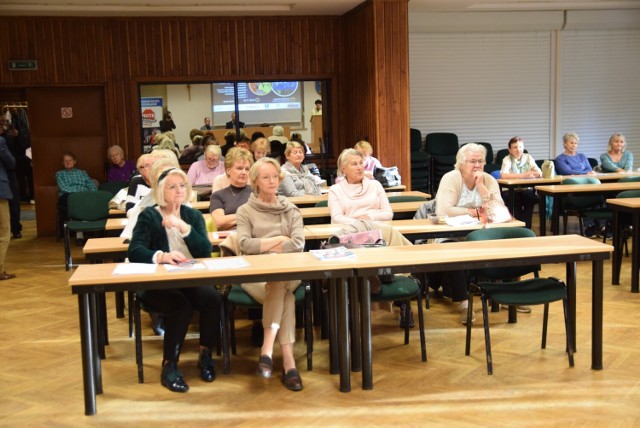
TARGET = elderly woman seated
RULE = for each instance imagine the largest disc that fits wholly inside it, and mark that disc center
(298, 180)
(203, 172)
(463, 191)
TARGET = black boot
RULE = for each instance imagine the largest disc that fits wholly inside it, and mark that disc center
(172, 378)
(207, 365)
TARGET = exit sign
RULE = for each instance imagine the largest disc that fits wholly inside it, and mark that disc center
(30, 64)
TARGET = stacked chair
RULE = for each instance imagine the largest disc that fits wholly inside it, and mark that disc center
(442, 148)
(420, 164)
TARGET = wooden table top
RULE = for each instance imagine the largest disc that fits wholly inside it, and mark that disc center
(313, 199)
(625, 202)
(603, 177)
(559, 189)
(261, 266)
(406, 227)
(397, 207)
(469, 252)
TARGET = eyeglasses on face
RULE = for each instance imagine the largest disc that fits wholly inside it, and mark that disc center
(475, 161)
(174, 187)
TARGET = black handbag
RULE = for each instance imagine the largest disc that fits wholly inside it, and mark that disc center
(388, 177)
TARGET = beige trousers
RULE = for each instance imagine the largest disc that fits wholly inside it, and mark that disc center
(278, 306)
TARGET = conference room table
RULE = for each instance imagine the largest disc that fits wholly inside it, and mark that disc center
(511, 184)
(567, 249)
(88, 281)
(630, 206)
(311, 200)
(300, 201)
(309, 214)
(557, 191)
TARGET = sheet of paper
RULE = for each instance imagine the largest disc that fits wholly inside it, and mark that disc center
(184, 268)
(462, 220)
(134, 268)
(220, 263)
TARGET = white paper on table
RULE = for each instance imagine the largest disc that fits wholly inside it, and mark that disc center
(220, 263)
(184, 268)
(133, 268)
(462, 220)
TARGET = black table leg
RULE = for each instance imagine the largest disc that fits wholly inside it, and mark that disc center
(88, 357)
(365, 314)
(571, 298)
(617, 248)
(635, 253)
(596, 315)
(354, 317)
(343, 334)
(332, 314)
(543, 215)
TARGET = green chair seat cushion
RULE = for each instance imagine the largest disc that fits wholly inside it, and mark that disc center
(239, 297)
(535, 291)
(85, 226)
(401, 288)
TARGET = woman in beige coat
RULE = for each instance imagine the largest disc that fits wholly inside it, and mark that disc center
(269, 223)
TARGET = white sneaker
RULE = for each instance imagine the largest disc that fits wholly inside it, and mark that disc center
(520, 308)
(463, 313)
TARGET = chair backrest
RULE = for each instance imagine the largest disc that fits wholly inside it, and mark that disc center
(581, 180)
(495, 174)
(89, 206)
(415, 140)
(593, 162)
(113, 186)
(635, 178)
(581, 202)
(322, 203)
(503, 153)
(504, 273)
(406, 198)
(629, 194)
(442, 143)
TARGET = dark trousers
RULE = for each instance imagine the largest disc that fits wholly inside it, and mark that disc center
(454, 283)
(177, 306)
(523, 202)
(14, 204)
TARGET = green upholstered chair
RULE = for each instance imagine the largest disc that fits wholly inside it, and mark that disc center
(503, 286)
(584, 206)
(404, 289)
(632, 179)
(237, 297)
(87, 212)
(324, 203)
(405, 198)
(113, 187)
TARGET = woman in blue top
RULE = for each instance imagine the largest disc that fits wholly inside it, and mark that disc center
(616, 159)
(571, 162)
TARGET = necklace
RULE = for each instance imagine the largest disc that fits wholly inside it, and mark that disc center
(237, 192)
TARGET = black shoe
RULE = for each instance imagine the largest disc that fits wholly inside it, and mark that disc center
(292, 380)
(207, 366)
(403, 321)
(257, 335)
(265, 367)
(157, 323)
(16, 235)
(590, 231)
(171, 378)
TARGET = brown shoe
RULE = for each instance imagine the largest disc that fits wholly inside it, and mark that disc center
(5, 275)
(265, 366)
(292, 380)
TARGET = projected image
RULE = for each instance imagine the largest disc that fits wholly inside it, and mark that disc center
(259, 102)
(260, 88)
(284, 89)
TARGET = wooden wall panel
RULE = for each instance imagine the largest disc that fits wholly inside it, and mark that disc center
(374, 92)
